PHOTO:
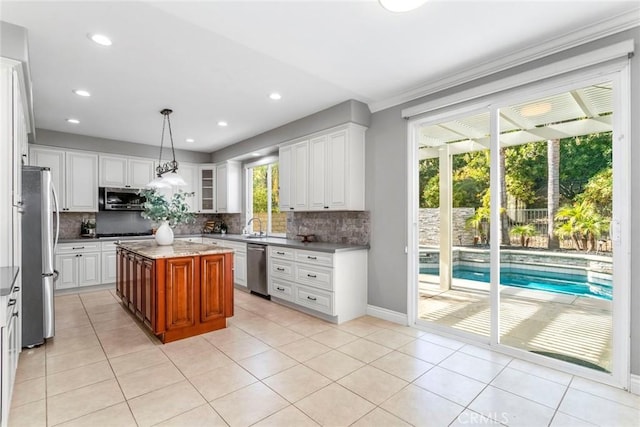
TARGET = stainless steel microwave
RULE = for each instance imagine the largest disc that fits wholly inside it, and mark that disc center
(119, 199)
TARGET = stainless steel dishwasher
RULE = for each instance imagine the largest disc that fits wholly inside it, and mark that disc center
(257, 269)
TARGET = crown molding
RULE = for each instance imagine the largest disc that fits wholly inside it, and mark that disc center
(549, 47)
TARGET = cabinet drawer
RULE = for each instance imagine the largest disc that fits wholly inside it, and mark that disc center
(189, 239)
(71, 248)
(280, 252)
(314, 276)
(281, 289)
(315, 299)
(282, 269)
(317, 258)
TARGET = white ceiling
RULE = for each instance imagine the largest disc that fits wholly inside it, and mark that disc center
(219, 60)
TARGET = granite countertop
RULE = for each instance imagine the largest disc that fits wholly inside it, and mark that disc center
(150, 249)
(275, 241)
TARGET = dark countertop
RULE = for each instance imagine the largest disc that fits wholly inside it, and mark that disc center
(8, 277)
(274, 241)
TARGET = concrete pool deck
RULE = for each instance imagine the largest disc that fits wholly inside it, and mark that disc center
(575, 327)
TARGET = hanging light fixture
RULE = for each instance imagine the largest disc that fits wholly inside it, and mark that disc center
(167, 173)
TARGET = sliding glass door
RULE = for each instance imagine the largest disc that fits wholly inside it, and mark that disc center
(520, 206)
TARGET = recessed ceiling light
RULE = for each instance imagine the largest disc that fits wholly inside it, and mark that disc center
(101, 39)
(275, 96)
(255, 154)
(74, 121)
(81, 92)
(222, 123)
(190, 140)
(401, 5)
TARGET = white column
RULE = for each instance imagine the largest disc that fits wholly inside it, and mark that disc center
(446, 195)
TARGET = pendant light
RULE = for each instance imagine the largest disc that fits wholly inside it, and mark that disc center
(167, 173)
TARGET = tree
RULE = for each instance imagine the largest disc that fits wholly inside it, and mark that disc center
(524, 232)
(599, 192)
(582, 224)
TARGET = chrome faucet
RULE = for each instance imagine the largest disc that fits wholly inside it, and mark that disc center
(259, 223)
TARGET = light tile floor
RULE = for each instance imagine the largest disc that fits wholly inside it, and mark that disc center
(273, 366)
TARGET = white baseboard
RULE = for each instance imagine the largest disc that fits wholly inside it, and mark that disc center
(389, 315)
(634, 386)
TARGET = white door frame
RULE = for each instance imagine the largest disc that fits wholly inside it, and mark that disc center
(618, 72)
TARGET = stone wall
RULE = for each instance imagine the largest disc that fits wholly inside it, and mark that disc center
(429, 226)
(333, 227)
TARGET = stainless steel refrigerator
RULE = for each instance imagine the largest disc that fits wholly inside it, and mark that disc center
(39, 238)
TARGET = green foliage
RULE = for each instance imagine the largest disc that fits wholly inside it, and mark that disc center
(158, 208)
(526, 172)
(523, 231)
(599, 192)
(590, 154)
(582, 223)
(260, 187)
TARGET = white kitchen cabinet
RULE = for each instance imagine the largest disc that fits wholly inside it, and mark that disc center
(239, 258)
(294, 176)
(78, 264)
(119, 171)
(336, 170)
(54, 159)
(228, 188)
(81, 192)
(332, 286)
(109, 266)
(207, 181)
(74, 174)
(324, 171)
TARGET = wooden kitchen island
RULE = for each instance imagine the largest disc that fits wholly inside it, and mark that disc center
(177, 291)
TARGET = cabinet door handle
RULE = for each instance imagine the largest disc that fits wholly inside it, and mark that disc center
(280, 253)
(79, 247)
(16, 289)
(312, 298)
(313, 276)
(279, 268)
(311, 257)
(16, 314)
(12, 301)
(279, 288)
(326, 207)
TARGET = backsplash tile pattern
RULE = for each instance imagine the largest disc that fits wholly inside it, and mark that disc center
(70, 223)
(332, 227)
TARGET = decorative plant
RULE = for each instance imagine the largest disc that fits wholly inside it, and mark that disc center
(524, 232)
(582, 223)
(174, 210)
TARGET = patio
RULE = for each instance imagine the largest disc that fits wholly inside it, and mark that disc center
(568, 327)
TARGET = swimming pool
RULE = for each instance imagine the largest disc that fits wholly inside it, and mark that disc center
(528, 279)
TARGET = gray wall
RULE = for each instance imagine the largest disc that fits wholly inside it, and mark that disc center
(345, 112)
(112, 146)
(386, 192)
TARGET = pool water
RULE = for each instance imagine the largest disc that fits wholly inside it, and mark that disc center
(552, 282)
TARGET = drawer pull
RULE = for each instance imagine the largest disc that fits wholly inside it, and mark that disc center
(79, 247)
(313, 276)
(12, 301)
(312, 298)
(311, 257)
(279, 288)
(279, 268)
(16, 314)
(280, 253)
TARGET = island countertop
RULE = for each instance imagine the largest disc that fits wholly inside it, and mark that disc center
(150, 249)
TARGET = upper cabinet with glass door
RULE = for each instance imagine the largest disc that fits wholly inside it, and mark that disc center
(220, 188)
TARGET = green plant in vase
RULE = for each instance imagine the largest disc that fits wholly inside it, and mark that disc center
(168, 212)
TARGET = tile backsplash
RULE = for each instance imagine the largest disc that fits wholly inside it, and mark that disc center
(332, 227)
